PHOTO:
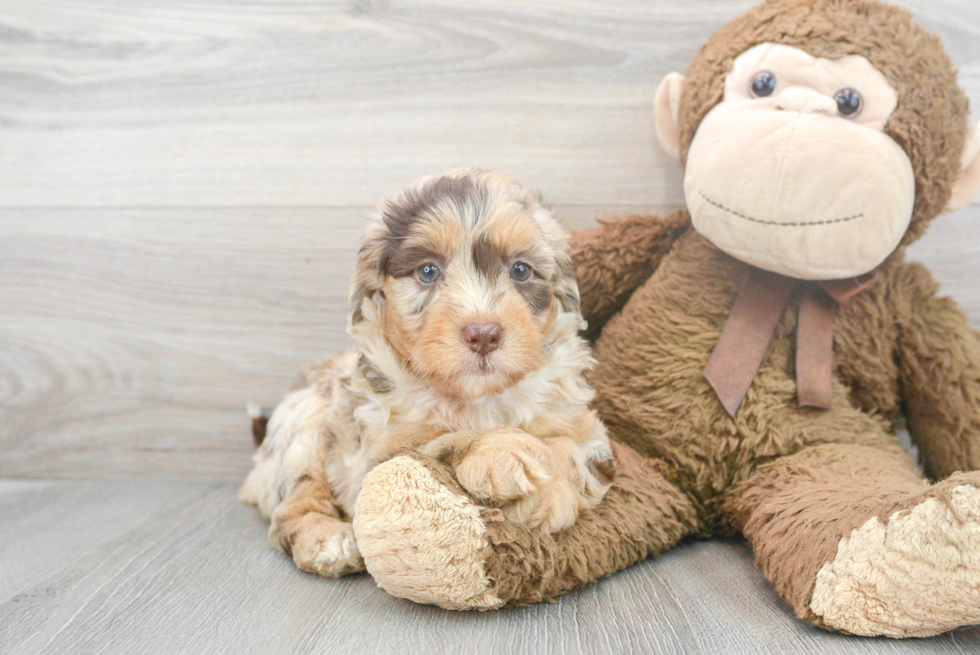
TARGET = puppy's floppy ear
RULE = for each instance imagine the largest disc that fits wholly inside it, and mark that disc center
(369, 275)
(566, 289)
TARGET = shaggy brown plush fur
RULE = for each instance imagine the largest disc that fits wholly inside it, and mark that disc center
(809, 488)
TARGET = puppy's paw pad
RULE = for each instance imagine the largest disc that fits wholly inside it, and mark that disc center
(336, 555)
(552, 509)
(331, 555)
(501, 476)
(559, 514)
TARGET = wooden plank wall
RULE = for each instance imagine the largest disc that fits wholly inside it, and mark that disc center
(182, 186)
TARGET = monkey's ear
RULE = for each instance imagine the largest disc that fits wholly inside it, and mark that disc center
(967, 185)
(666, 107)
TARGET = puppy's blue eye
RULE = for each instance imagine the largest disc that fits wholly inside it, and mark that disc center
(520, 271)
(763, 84)
(428, 273)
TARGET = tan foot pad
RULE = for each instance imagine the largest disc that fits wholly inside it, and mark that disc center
(914, 576)
(420, 540)
(332, 554)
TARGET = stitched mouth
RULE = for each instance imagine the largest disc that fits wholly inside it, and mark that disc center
(759, 220)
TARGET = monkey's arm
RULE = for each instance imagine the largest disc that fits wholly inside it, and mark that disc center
(424, 538)
(939, 368)
(614, 258)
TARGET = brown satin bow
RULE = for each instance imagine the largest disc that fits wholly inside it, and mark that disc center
(749, 329)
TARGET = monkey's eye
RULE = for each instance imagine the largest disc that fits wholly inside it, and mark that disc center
(763, 84)
(849, 102)
(520, 272)
(428, 273)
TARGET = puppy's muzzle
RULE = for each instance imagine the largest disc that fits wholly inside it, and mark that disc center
(483, 338)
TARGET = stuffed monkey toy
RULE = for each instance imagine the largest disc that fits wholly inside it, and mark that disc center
(756, 351)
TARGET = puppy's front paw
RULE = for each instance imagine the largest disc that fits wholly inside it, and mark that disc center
(504, 465)
(327, 548)
(554, 507)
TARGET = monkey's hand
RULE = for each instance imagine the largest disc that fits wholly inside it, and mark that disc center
(939, 365)
(613, 259)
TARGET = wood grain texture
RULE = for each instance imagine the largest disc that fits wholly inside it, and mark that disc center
(310, 103)
(132, 339)
(131, 567)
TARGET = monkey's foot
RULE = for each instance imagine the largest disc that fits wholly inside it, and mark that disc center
(421, 538)
(915, 574)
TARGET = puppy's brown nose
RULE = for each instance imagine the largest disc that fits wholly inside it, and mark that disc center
(483, 338)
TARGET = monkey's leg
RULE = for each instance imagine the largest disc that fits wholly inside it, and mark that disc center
(423, 538)
(307, 525)
(857, 541)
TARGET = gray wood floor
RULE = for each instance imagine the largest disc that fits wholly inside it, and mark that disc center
(181, 567)
(182, 187)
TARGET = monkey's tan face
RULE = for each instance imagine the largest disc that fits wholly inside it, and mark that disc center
(471, 269)
(792, 171)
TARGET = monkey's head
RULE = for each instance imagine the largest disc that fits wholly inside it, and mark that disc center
(819, 135)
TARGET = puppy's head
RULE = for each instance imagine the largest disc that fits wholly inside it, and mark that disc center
(465, 275)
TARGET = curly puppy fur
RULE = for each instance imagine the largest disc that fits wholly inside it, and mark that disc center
(457, 354)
